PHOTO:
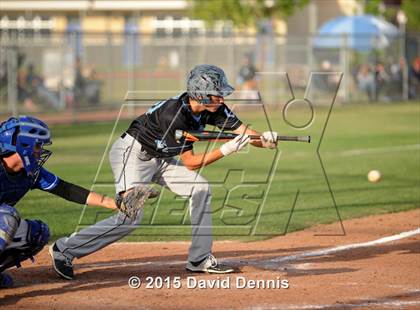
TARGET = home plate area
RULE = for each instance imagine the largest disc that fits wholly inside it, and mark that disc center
(375, 265)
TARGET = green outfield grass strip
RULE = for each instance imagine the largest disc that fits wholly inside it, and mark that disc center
(359, 138)
(380, 150)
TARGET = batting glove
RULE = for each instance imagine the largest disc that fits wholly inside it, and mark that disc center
(235, 145)
(269, 139)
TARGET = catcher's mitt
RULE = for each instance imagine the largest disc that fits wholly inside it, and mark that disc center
(134, 199)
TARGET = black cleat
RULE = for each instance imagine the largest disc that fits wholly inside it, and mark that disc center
(63, 265)
(209, 265)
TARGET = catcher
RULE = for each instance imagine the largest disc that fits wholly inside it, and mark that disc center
(147, 152)
(22, 156)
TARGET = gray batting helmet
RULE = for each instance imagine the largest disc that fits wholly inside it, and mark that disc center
(205, 80)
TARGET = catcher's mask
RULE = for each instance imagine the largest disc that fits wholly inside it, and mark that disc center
(26, 136)
(206, 80)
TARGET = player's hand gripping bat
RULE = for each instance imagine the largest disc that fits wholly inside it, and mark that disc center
(196, 135)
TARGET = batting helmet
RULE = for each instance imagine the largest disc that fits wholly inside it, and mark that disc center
(21, 135)
(205, 80)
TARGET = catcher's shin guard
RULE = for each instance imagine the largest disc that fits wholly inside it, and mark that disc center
(29, 240)
(9, 222)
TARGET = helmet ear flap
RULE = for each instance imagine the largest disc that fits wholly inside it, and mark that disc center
(9, 131)
(15, 135)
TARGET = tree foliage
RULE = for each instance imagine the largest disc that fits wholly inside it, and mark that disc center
(411, 9)
(373, 7)
(243, 12)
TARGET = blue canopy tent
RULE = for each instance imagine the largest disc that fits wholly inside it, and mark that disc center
(360, 32)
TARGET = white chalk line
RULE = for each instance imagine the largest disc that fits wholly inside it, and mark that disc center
(341, 248)
(269, 262)
(133, 264)
(388, 303)
(161, 242)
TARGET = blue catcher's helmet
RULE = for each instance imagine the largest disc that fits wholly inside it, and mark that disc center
(26, 136)
(206, 80)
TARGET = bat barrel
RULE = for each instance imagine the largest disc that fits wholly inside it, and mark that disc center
(195, 135)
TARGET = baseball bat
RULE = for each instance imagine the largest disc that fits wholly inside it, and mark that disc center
(196, 135)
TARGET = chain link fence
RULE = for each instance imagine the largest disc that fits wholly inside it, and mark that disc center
(78, 72)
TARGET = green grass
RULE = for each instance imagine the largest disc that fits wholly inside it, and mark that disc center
(254, 204)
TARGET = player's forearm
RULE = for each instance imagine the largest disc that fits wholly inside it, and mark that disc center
(256, 143)
(99, 200)
(81, 195)
(243, 129)
(197, 161)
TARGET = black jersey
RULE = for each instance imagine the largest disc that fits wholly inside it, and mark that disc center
(155, 130)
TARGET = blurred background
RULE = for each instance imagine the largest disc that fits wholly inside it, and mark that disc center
(75, 60)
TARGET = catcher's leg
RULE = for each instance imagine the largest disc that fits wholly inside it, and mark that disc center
(25, 239)
(9, 222)
(29, 239)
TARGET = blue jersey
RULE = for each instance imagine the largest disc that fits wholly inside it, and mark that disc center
(14, 186)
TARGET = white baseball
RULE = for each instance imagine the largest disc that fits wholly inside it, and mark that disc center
(374, 176)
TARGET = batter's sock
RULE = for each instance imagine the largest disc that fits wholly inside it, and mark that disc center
(195, 264)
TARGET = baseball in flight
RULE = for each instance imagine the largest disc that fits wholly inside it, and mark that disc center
(374, 176)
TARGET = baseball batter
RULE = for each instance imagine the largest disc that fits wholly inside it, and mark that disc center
(22, 156)
(147, 152)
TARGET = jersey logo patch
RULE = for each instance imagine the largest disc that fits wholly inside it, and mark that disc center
(161, 146)
(229, 113)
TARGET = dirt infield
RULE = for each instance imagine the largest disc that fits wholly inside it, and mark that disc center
(321, 271)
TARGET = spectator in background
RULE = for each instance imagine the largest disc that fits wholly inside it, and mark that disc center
(381, 79)
(325, 80)
(37, 90)
(366, 81)
(24, 92)
(3, 70)
(23, 96)
(31, 90)
(247, 80)
(79, 83)
(396, 78)
(93, 88)
(414, 78)
(87, 86)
